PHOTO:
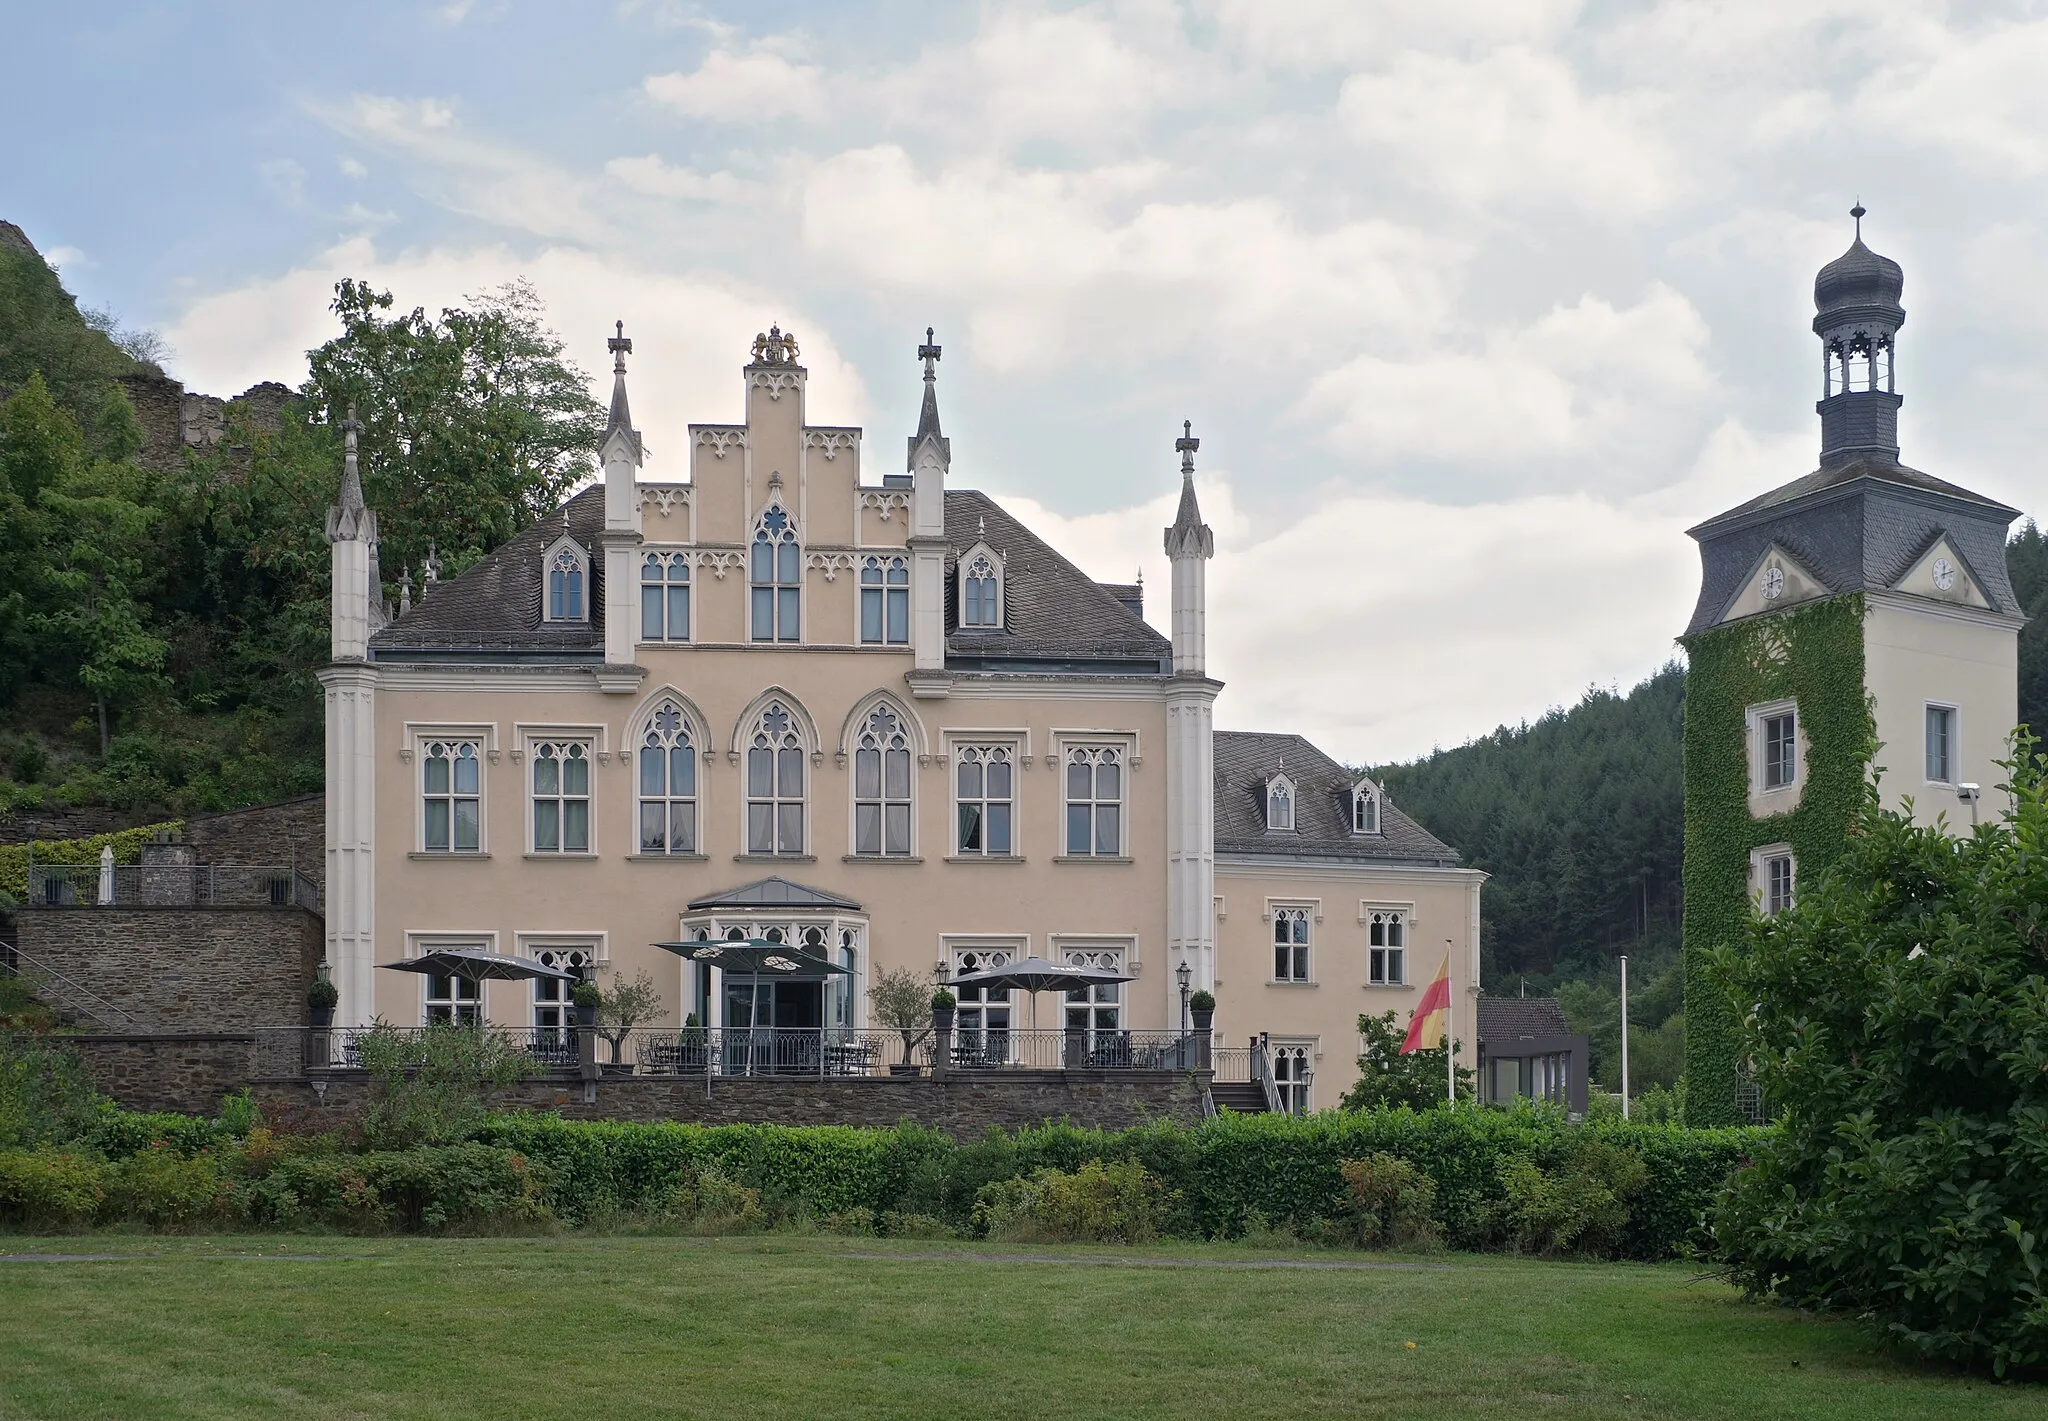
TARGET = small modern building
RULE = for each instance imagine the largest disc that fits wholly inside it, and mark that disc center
(1528, 1052)
(1864, 603)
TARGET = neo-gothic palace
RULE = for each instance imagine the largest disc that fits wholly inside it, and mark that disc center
(877, 718)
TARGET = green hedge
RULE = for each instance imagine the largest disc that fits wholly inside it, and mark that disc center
(85, 853)
(1223, 1177)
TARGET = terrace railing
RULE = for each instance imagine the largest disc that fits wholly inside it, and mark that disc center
(1060, 1050)
(221, 885)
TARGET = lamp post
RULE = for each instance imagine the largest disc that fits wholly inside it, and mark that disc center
(1624, 1038)
(1183, 974)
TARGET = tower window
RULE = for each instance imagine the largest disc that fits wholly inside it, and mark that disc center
(1941, 740)
(1781, 750)
(885, 601)
(776, 575)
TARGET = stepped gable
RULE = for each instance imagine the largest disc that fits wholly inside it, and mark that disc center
(495, 604)
(1246, 759)
(1052, 611)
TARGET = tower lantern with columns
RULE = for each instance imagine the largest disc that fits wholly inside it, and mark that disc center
(1190, 737)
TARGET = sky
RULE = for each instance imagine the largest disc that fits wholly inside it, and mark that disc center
(1475, 305)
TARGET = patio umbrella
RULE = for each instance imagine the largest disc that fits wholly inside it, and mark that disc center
(1035, 975)
(754, 957)
(474, 965)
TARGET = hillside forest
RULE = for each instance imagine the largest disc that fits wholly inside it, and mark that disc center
(161, 620)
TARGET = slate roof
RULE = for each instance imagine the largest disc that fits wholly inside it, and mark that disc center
(495, 604)
(1054, 614)
(1857, 527)
(1245, 760)
(1506, 1021)
(774, 892)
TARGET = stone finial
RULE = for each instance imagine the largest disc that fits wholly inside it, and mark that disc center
(405, 590)
(928, 414)
(1189, 536)
(431, 568)
(1186, 446)
(620, 346)
(929, 354)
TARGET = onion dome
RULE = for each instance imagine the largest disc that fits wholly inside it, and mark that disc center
(1859, 285)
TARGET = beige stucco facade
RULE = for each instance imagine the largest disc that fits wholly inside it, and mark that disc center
(1919, 652)
(835, 606)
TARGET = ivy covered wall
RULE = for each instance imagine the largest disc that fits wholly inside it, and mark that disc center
(1812, 655)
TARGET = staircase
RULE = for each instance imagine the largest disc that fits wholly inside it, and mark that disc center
(1245, 1097)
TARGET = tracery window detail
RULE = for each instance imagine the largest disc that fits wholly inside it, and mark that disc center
(881, 785)
(451, 788)
(776, 575)
(561, 797)
(1279, 805)
(985, 799)
(980, 595)
(565, 586)
(665, 597)
(1291, 1076)
(1386, 948)
(668, 784)
(1290, 945)
(885, 601)
(775, 784)
(1095, 799)
(1365, 809)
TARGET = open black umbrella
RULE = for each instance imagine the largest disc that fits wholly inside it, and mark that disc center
(755, 957)
(477, 966)
(1035, 975)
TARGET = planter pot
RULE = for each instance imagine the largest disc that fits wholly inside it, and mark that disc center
(320, 1017)
(586, 1016)
(942, 1018)
(1202, 1019)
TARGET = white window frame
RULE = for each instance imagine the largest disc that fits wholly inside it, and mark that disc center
(419, 741)
(778, 634)
(1760, 862)
(564, 746)
(548, 995)
(1297, 913)
(1294, 1091)
(887, 594)
(1760, 718)
(979, 1006)
(670, 559)
(882, 800)
(1125, 750)
(1281, 793)
(693, 732)
(799, 730)
(1114, 951)
(983, 746)
(964, 570)
(1400, 916)
(565, 547)
(1366, 794)
(1954, 716)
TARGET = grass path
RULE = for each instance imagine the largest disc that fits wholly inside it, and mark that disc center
(576, 1326)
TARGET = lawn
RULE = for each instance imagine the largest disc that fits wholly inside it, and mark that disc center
(780, 1326)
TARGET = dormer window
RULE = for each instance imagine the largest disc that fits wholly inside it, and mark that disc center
(568, 578)
(1365, 808)
(1280, 804)
(981, 588)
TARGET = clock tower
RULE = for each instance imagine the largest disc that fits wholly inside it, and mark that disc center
(1856, 622)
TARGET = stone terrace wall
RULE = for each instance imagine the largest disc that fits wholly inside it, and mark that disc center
(964, 1106)
(184, 969)
(183, 1073)
(292, 830)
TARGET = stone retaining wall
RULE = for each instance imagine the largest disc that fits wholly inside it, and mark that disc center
(183, 969)
(183, 1073)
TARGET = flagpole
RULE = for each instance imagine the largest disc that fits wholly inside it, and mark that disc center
(1624, 1038)
(1450, 1032)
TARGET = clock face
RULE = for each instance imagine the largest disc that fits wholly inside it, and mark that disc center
(1773, 583)
(1944, 574)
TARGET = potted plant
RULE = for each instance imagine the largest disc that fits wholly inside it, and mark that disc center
(1202, 1010)
(693, 1043)
(586, 997)
(902, 1002)
(321, 999)
(623, 1006)
(944, 1006)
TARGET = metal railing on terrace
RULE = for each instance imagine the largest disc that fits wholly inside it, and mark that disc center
(220, 885)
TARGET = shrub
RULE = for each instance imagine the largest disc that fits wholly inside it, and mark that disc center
(322, 995)
(167, 1190)
(433, 1087)
(1391, 1203)
(1900, 1029)
(1579, 1206)
(943, 1000)
(46, 1098)
(1098, 1203)
(707, 1196)
(1202, 1001)
(46, 1188)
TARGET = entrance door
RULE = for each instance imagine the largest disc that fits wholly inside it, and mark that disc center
(785, 1017)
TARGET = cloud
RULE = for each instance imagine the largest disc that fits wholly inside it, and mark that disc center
(67, 256)
(655, 178)
(1329, 34)
(286, 179)
(1515, 124)
(742, 88)
(481, 179)
(351, 168)
(1584, 379)
(1977, 95)
(691, 333)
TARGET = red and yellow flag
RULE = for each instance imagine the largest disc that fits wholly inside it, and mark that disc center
(1426, 1027)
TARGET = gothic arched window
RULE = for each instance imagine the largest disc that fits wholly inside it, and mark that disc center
(1290, 944)
(885, 601)
(668, 784)
(1365, 808)
(775, 783)
(881, 785)
(1279, 804)
(566, 578)
(981, 593)
(776, 575)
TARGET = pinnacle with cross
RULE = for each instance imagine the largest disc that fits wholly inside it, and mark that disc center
(620, 346)
(1186, 446)
(351, 426)
(929, 354)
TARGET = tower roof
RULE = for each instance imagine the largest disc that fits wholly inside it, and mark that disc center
(1858, 285)
(928, 414)
(1189, 535)
(620, 421)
